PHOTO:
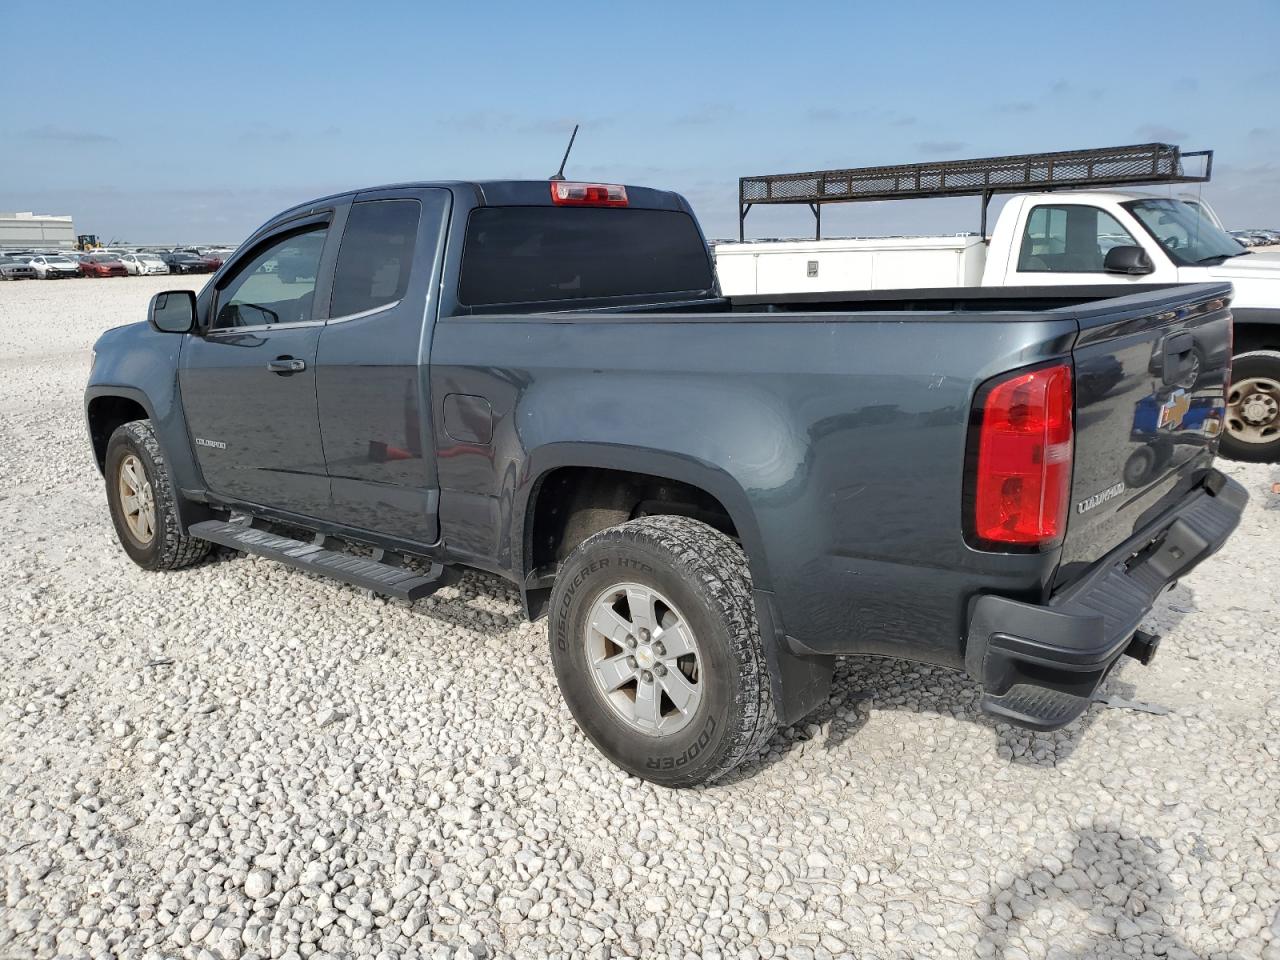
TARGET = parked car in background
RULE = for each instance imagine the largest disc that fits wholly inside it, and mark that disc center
(55, 266)
(1247, 238)
(186, 263)
(11, 268)
(102, 265)
(208, 254)
(144, 264)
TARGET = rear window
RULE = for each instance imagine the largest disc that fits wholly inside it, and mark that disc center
(530, 254)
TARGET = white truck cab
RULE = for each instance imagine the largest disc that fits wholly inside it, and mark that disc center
(1048, 239)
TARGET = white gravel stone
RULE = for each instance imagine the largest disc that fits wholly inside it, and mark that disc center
(257, 884)
(178, 778)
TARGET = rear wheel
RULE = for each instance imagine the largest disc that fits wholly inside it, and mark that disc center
(141, 500)
(657, 651)
(1253, 408)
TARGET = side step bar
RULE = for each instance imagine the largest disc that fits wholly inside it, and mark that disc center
(1036, 707)
(379, 577)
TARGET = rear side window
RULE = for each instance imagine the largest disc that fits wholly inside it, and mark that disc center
(531, 254)
(376, 256)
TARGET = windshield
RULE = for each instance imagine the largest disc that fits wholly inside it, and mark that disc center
(1187, 235)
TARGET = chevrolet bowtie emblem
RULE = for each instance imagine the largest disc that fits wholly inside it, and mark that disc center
(1174, 409)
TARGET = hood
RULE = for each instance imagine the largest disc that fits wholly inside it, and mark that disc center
(1252, 266)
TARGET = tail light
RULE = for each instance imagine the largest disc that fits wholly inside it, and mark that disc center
(566, 194)
(1022, 473)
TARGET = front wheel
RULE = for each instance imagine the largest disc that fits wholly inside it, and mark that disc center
(657, 650)
(1253, 408)
(142, 501)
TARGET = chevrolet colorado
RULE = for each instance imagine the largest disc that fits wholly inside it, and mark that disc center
(709, 498)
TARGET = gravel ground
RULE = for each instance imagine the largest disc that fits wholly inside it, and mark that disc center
(238, 760)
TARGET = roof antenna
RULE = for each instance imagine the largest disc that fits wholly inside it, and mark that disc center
(559, 174)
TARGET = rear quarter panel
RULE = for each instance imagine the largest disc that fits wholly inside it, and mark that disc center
(836, 444)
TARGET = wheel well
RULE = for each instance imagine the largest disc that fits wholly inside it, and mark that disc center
(1256, 336)
(571, 503)
(106, 414)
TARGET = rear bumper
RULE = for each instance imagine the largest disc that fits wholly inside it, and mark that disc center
(1040, 665)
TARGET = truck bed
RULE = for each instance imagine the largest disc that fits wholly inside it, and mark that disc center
(838, 442)
(905, 300)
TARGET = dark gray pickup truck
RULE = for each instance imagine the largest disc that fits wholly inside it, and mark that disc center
(710, 498)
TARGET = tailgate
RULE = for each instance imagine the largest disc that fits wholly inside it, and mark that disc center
(1151, 371)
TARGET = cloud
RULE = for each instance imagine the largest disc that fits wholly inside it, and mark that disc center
(260, 134)
(1019, 106)
(940, 146)
(498, 121)
(867, 116)
(477, 121)
(1060, 88)
(1158, 133)
(705, 116)
(1262, 133)
(563, 126)
(49, 131)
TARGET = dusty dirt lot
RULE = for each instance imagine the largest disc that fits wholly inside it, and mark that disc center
(238, 760)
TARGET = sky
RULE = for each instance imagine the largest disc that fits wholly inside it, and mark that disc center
(178, 122)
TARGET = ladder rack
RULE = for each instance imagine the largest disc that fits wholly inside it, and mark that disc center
(1144, 163)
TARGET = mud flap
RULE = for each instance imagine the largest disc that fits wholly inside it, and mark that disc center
(799, 683)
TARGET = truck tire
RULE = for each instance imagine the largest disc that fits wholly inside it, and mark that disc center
(657, 651)
(142, 501)
(1252, 430)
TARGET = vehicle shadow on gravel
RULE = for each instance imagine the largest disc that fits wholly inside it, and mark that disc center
(1111, 890)
(863, 685)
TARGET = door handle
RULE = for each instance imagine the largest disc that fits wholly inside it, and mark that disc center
(287, 365)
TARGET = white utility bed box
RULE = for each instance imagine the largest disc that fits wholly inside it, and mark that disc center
(876, 263)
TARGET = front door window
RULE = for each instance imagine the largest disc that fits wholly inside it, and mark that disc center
(276, 286)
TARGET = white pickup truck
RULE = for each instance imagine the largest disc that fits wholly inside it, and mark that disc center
(1116, 237)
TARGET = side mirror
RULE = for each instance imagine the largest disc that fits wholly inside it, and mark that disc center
(173, 311)
(1129, 260)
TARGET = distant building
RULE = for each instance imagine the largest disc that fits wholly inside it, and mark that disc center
(24, 231)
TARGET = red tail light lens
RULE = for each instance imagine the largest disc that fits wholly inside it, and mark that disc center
(1025, 440)
(566, 194)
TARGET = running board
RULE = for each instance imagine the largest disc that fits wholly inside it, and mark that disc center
(378, 577)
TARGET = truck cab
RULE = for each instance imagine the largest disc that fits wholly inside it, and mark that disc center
(1044, 239)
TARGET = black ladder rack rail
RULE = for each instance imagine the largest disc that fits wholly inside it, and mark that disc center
(1144, 163)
